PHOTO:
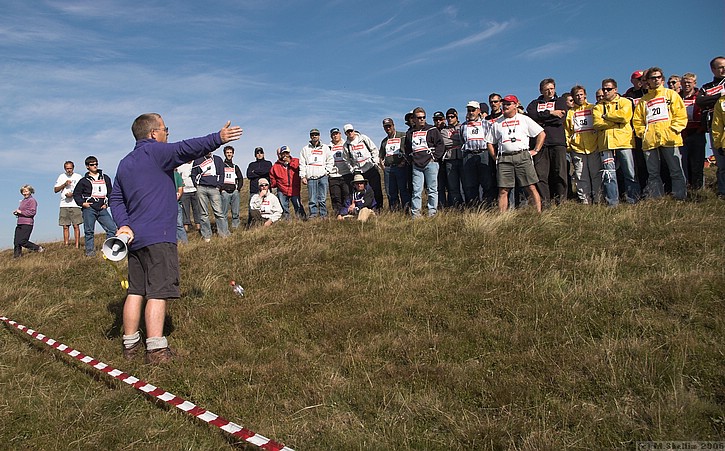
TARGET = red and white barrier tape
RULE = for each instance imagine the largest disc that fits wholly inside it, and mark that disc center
(186, 406)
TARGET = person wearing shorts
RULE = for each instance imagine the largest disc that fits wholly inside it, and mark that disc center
(70, 212)
(145, 208)
(514, 161)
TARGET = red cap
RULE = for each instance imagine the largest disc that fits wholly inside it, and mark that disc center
(637, 74)
(511, 98)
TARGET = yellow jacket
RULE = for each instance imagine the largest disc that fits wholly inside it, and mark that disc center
(718, 123)
(668, 117)
(581, 137)
(613, 123)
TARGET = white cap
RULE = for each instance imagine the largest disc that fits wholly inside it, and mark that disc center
(473, 104)
(347, 127)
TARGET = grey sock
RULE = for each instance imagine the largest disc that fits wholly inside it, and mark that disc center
(130, 340)
(153, 343)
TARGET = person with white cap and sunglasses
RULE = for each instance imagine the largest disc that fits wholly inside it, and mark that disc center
(264, 207)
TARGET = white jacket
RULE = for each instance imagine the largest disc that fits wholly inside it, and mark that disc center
(316, 162)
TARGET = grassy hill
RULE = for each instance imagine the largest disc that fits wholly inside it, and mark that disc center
(583, 328)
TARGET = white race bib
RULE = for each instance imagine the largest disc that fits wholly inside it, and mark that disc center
(545, 106)
(99, 189)
(475, 131)
(657, 110)
(392, 147)
(419, 143)
(230, 176)
(583, 121)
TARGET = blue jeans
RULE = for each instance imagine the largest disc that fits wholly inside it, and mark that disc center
(209, 195)
(671, 155)
(609, 178)
(317, 194)
(476, 176)
(90, 216)
(285, 200)
(625, 165)
(429, 176)
(396, 185)
(180, 232)
(231, 200)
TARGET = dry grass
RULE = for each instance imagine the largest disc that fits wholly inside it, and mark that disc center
(584, 328)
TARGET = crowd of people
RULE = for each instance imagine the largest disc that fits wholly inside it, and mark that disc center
(646, 142)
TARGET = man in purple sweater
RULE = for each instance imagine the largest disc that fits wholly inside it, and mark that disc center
(144, 207)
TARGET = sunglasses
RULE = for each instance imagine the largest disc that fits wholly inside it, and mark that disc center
(92, 164)
(264, 185)
(607, 89)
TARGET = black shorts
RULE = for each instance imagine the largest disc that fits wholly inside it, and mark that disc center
(153, 271)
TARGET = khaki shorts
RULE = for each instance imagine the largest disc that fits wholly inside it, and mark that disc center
(516, 170)
(70, 216)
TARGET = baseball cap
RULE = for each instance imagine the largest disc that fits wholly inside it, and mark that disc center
(439, 114)
(388, 121)
(347, 127)
(334, 130)
(314, 131)
(637, 74)
(511, 99)
(258, 150)
(473, 104)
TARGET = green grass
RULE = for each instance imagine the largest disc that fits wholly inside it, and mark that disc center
(583, 328)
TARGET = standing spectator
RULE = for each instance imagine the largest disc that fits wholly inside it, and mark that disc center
(362, 155)
(424, 148)
(452, 164)
(476, 169)
(592, 169)
(233, 183)
(189, 200)
(549, 110)
(612, 119)
(693, 136)
(316, 163)
(396, 169)
(635, 93)
(285, 176)
(70, 212)
(25, 214)
(675, 84)
(257, 169)
(341, 175)
(508, 141)
(91, 193)
(264, 207)
(208, 175)
(658, 119)
(599, 95)
(707, 97)
(145, 208)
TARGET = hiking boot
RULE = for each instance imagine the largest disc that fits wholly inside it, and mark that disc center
(159, 356)
(132, 352)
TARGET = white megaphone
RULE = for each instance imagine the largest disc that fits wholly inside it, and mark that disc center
(116, 247)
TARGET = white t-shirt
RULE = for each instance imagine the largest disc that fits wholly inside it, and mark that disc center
(68, 201)
(512, 134)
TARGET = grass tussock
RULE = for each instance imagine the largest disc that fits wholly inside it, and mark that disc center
(582, 328)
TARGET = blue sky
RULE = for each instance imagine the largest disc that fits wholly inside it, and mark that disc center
(76, 73)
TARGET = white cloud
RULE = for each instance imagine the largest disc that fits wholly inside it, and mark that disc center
(550, 49)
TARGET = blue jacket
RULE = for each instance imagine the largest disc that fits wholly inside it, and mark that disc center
(144, 193)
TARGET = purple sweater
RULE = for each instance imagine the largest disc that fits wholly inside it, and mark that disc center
(144, 193)
(28, 207)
